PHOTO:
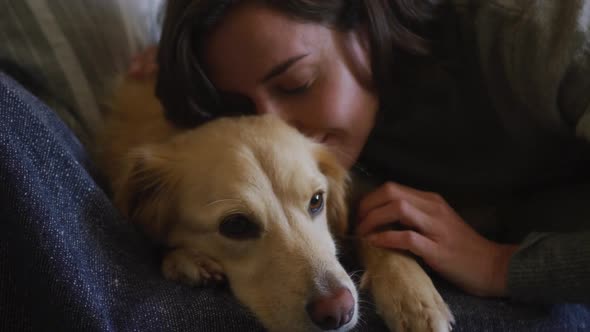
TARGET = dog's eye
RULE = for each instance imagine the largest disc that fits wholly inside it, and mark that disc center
(239, 227)
(316, 204)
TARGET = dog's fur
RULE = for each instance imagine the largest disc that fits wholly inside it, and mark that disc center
(181, 185)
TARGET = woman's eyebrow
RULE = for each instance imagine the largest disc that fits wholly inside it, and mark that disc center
(282, 67)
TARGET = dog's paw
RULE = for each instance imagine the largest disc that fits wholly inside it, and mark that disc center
(193, 269)
(408, 301)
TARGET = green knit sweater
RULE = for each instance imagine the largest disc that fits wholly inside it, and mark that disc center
(498, 121)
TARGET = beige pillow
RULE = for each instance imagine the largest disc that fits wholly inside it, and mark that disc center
(77, 47)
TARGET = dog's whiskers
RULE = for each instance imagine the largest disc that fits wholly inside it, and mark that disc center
(361, 319)
(355, 274)
(367, 304)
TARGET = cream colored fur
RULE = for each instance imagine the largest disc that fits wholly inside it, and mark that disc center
(180, 185)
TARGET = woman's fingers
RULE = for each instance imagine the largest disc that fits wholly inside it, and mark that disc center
(437, 234)
(393, 191)
(412, 241)
(395, 211)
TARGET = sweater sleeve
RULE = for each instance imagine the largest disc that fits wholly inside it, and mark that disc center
(551, 267)
(536, 55)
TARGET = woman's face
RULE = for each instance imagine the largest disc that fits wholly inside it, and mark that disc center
(317, 79)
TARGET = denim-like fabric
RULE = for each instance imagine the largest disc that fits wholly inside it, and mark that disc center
(68, 262)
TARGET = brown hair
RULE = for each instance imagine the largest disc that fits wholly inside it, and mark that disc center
(189, 97)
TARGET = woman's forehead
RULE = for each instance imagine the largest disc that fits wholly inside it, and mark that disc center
(253, 38)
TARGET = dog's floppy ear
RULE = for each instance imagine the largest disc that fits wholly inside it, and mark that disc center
(143, 193)
(338, 183)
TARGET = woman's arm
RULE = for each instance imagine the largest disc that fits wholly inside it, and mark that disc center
(537, 54)
(535, 58)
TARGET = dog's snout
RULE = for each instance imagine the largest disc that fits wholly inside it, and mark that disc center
(332, 311)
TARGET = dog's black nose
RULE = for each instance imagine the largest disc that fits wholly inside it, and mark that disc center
(332, 311)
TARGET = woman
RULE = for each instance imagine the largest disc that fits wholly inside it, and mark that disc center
(452, 107)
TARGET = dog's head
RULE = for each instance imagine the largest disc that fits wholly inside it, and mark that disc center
(261, 200)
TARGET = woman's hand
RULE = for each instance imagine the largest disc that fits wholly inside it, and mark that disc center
(144, 65)
(438, 235)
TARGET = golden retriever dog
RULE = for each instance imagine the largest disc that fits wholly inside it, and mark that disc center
(252, 201)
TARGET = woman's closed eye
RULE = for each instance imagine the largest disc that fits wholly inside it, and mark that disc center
(296, 81)
(294, 90)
